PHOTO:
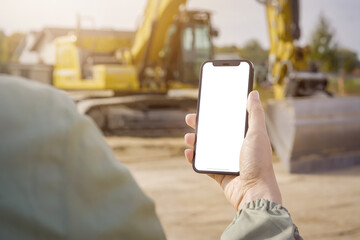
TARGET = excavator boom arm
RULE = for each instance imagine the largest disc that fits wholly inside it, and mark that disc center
(158, 17)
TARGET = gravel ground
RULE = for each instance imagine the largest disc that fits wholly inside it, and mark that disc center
(192, 206)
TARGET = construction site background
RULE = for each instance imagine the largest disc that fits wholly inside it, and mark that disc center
(324, 205)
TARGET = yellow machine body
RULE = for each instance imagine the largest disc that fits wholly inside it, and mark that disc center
(284, 55)
(68, 68)
(109, 63)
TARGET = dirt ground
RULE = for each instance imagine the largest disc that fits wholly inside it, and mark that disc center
(192, 206)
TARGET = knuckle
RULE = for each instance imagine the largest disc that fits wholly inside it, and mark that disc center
(257, 108)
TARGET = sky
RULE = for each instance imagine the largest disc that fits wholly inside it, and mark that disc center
(238, 21)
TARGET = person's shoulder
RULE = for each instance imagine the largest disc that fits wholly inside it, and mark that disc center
(27, 104)
(19, 84)
(21, 92)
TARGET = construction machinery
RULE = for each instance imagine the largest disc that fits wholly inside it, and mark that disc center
(310, 129)
(134, 88)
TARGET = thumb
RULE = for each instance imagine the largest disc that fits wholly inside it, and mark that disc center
(256, 112)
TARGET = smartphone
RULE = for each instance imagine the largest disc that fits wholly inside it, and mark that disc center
(221, 123)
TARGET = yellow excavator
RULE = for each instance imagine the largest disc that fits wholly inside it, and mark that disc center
(309, 128)
(166, 54)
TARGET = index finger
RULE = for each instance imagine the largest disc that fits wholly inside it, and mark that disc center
(256, 112)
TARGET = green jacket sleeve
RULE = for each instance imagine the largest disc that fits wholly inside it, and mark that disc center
(58, 177)
(261, 219)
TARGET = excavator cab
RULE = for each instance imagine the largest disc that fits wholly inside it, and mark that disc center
(188, 44)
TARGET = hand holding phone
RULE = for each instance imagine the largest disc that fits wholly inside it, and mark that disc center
(257, 179)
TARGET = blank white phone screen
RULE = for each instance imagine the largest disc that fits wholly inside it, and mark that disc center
(222, 117)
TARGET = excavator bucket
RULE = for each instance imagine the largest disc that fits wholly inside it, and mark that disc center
(316, 133)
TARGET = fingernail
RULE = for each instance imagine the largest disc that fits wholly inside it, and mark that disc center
(255, 95)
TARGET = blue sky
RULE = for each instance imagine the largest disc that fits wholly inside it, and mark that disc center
(237, 20)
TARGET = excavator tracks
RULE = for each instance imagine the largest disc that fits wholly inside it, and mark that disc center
(146, 115)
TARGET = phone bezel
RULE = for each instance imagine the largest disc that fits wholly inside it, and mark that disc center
(221, 63)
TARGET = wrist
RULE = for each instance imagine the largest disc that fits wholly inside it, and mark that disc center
(269, 191)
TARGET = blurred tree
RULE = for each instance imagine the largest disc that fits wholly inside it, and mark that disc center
(254, 52)
(8, 45)
(11, 43)
(348, 60)
(3, 53)
(2, 36)
(227, 49)
(323, 46)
